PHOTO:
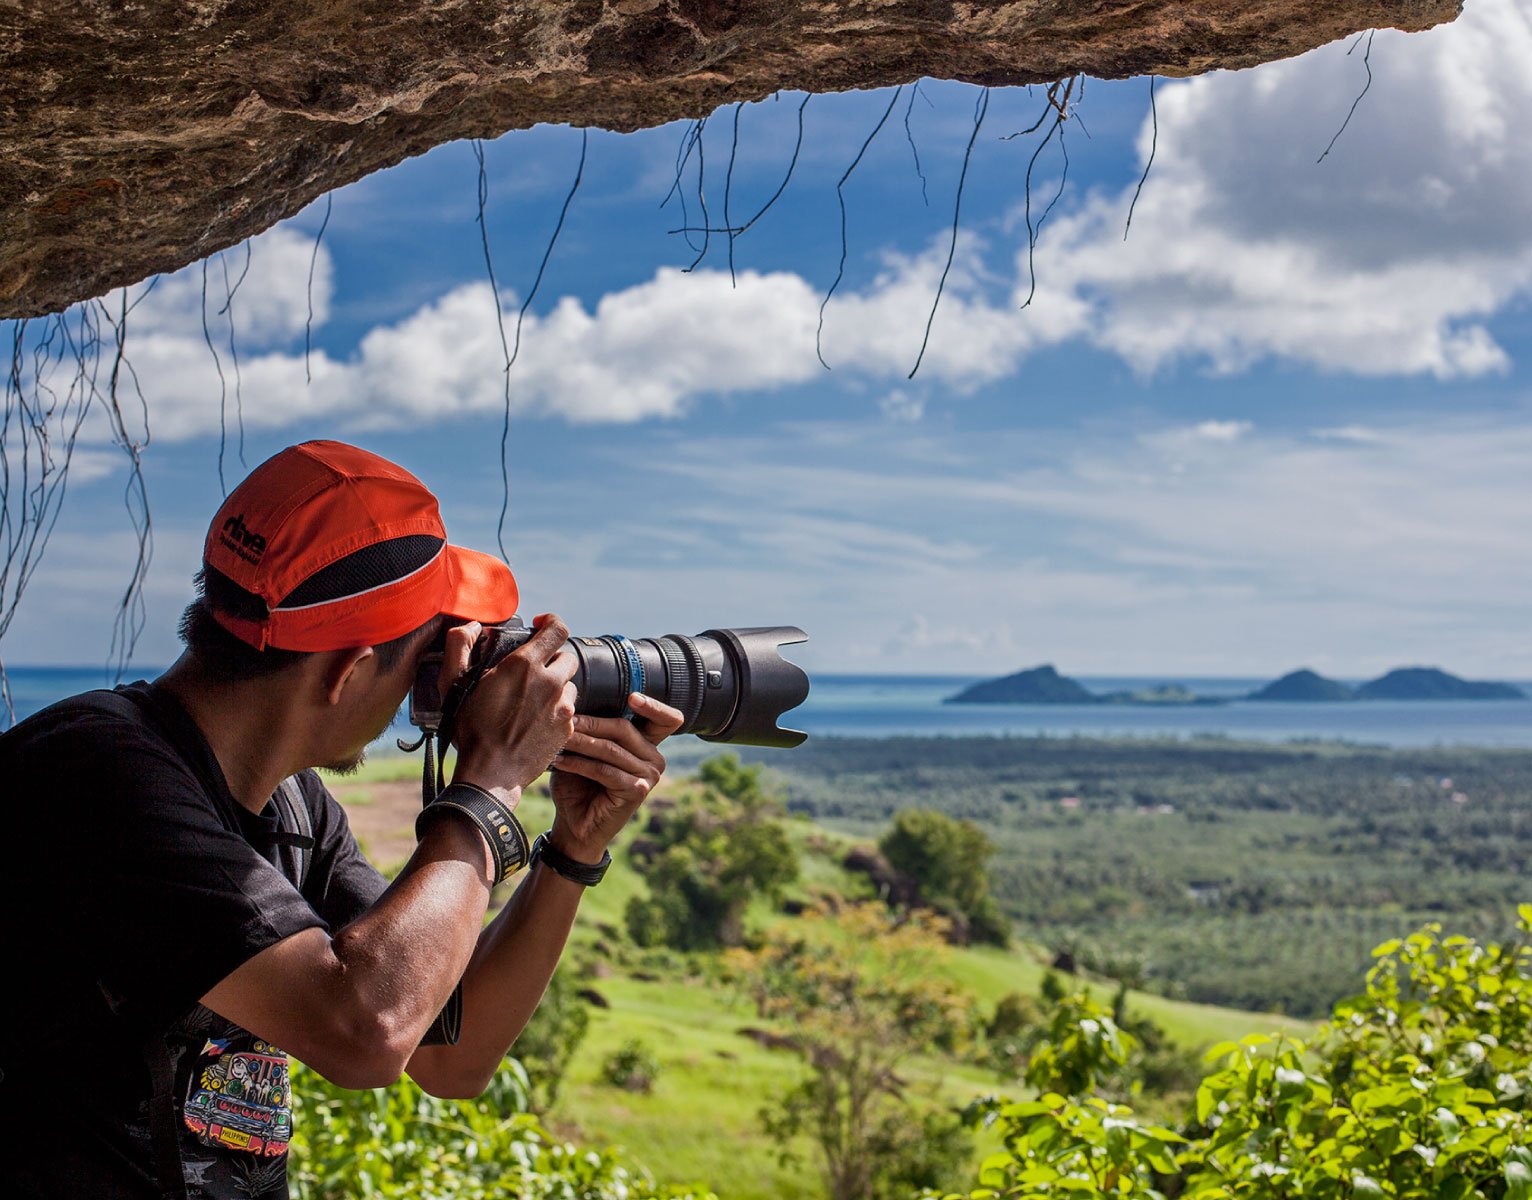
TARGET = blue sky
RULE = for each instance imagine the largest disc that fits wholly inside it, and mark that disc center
(1285, 422)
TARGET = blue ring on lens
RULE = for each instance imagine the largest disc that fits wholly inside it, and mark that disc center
(635, 671)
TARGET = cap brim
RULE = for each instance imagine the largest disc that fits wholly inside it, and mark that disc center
(481, 587)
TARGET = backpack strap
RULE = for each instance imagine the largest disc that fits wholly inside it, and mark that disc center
(297, 826)
(164, 1125)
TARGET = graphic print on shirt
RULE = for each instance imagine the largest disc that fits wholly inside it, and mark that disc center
(239, 1096)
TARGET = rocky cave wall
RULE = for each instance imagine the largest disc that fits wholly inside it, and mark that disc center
(140, 136)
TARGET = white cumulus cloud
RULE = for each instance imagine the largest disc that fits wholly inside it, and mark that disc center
(652, 350)
(1386, 258)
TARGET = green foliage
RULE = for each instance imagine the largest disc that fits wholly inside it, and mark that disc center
(1015, 1014)
(947, 857)
(632, 1066)
(706, 857)
(398, 1143)
(551, 1037)
(1255, 876)
(1418, 1089)
(861, 996)
(1081, 1050)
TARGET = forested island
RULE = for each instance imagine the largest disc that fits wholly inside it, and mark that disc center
(1044, 685)
(1402, 683)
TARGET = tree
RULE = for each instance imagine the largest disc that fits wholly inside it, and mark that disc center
(947, 858)
(706, 857)
(862, 994)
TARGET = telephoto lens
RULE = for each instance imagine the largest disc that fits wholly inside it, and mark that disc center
(730, 685)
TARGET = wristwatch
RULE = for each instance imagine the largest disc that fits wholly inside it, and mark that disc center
(585, 874)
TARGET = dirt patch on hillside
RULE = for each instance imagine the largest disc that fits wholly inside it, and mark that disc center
(382, 816)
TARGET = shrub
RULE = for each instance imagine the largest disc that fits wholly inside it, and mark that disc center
(398, 1143)
(706, 857)
(1417, 1089)
(946, 858)
(632, 1066)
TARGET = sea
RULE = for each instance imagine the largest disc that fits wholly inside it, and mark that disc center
(911, 705)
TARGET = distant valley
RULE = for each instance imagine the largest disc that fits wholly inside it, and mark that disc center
(1044, 685)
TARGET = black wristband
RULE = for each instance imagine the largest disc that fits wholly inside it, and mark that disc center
(585, 874)
(506, 838)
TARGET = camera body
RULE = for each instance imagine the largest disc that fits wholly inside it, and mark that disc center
(731, 685)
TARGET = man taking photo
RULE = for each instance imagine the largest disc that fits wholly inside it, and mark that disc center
(185, 904)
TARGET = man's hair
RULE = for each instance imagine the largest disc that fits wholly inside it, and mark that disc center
(230, 660)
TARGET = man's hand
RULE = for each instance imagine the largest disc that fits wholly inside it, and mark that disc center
(520, 714)
(607, 767)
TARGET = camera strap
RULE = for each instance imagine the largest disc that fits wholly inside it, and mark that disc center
(494, 645)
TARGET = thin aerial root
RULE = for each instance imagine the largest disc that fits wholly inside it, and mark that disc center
(981, 107)
(238, 283)
(728, 188)
(740, 230)
(505, 346)
(1154, 144)
(1032, 229)
(707, 233)
(132, 610)
(1063, 179)
(1367, 63)
(552, 242)
(840, 195)
(308, 324)
(689, 142)
(227, 311)
(223, 387)
(909, 136)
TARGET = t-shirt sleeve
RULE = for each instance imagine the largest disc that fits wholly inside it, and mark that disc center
(178, 899)
(342, 884)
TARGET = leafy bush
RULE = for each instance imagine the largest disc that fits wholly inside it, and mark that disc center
(946, 858)
(1420, 1088)
(398, 1143)
(706, 857)
(632, 1066)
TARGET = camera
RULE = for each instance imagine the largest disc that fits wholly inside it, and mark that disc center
(730, 685)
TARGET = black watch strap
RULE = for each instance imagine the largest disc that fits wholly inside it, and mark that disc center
(506, 838)
(586, 874)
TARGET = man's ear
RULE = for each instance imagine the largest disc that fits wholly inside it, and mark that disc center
(342, 668)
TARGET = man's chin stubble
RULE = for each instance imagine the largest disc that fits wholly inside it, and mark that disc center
(346, 766)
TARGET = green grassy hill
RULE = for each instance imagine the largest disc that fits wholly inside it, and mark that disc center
(700, 1122)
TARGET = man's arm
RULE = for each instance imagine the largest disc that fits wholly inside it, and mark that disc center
(607, 769)
(355, 1006)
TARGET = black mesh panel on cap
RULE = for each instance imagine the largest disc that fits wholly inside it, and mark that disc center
(370, 567)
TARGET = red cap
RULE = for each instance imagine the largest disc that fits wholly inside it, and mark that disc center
(346, 549)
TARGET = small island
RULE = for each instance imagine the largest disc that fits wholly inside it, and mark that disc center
(1429, 683)
(1039, 685)
(1304, 686)
(1044, 685)
(1165, 693)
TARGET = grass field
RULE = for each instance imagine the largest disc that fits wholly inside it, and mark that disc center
(700, 1123)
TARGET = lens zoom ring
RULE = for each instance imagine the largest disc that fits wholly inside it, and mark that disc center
(683, 663)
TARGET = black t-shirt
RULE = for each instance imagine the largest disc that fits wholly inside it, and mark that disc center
(133, 882)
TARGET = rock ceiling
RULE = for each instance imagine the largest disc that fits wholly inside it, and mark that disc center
(141, 135)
